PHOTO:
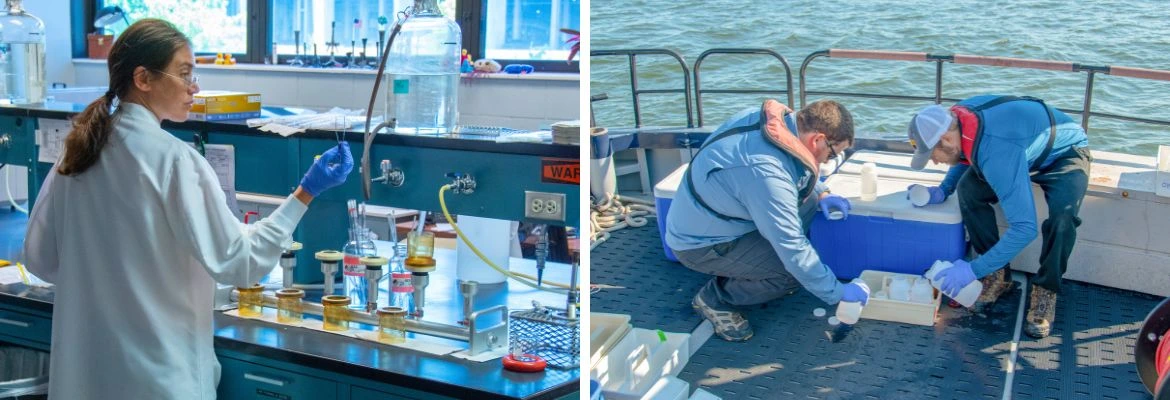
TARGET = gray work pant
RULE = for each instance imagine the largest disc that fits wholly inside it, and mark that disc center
(1064, 183)
(746, 270)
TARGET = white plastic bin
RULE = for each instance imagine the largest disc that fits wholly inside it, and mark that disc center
(605, 331)
(638, 361)
(669, 388)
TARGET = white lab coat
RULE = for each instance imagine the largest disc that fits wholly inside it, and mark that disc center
(133, 245)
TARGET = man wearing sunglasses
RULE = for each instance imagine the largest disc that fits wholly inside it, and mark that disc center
(742, 210)
(997, 146)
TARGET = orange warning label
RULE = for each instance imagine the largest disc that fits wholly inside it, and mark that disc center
(560, 170)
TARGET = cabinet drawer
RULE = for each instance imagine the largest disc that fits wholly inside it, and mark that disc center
(245, 380)
(25, 326)
(361, 393)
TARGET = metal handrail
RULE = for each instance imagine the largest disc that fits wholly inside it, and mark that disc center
(699, 91)
(633, 62)
(1009, 62)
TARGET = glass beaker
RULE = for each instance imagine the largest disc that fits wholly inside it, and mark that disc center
(392, 325)
(289, 308)
(251, 301)
(336, 313)
(420, 248)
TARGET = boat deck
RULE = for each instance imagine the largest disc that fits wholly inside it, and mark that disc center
(797, 355)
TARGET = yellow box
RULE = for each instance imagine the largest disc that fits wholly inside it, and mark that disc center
(216, 105)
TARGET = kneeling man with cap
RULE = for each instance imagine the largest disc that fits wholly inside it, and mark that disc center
(997, 146)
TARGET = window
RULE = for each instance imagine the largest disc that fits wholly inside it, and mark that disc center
(214, 26)
(508, 31)
(528, 29)
(337, 25)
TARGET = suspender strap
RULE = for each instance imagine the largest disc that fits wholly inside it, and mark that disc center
(978, 110)
(687, 175)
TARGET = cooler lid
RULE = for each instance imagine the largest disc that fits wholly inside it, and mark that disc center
(891, 200)
(893, 165)
(668, 186)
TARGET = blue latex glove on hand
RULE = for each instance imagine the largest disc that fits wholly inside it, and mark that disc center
(937, 196)
(853, 292)
(834, 202)
(955, 278)
(329, 170)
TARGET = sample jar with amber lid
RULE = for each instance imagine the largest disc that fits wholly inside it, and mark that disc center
(336, 314)
(251, 301)
(289, 308)
(392, 325)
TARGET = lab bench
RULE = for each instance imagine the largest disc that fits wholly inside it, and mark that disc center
(264, 360)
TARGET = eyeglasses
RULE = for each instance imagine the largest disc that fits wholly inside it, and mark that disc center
(832, 151)
(190, 80)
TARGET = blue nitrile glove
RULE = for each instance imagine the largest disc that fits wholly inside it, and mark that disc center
(329, 170)
(853, 292)
(937, 195)
(834, 202)
(955, 278)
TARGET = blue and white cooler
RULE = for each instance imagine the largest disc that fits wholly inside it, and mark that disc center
(663, 195)
(888, 233)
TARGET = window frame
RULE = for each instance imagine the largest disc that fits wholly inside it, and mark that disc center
(469, 16)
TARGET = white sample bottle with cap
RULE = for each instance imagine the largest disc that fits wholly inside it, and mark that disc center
(849, 312)
(967, 295)
(869, 177)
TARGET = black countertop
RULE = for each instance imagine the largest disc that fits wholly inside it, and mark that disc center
(440, 374)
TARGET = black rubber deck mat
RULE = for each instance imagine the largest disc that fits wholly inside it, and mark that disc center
(654, 291)
(1089, 354)
(794, 355)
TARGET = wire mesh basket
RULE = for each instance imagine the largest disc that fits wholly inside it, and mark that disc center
(548, 333)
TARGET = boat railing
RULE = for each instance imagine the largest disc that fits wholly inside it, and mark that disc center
(1008, 62)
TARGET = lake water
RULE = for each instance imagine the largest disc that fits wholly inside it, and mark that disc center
(1131, 34)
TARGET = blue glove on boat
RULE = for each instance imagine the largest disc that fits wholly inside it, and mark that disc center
(955, 278)
(854, 292)
(834, 202)
(329, 170)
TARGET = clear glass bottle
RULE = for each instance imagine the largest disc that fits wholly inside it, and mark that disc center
(360, 245)
(422, 73)
(391, 325)
(251, 301)
(289, 306)
(401, 286)
(335, 314)
(22, 56)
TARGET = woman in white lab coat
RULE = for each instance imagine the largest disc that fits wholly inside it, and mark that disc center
(132, 227)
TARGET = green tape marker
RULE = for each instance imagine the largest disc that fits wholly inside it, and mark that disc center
(661, 336)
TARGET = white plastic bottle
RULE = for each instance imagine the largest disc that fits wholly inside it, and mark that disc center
(921, 292)
(849, 312)
(967, 295)
(869, 177)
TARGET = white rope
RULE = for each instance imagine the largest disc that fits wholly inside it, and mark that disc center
(614, 214)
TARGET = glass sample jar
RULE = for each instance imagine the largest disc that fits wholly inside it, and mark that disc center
(392, 325)
(289, 308)
(251, 301)
(336, 314)
(420, 248)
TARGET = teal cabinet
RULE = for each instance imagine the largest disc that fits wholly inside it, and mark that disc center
(246, 380)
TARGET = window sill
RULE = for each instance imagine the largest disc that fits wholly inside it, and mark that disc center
(538, 76)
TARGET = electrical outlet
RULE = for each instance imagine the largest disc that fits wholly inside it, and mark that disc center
(544, 206)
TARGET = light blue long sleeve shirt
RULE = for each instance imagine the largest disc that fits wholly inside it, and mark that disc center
(746, 177)
(1014, 135)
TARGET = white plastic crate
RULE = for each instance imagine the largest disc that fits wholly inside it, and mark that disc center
(605, 330)
(896, 310)
(638, 361)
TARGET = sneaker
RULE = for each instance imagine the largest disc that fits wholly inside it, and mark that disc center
(729, 325)
(1041, 313)
(994, 286)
